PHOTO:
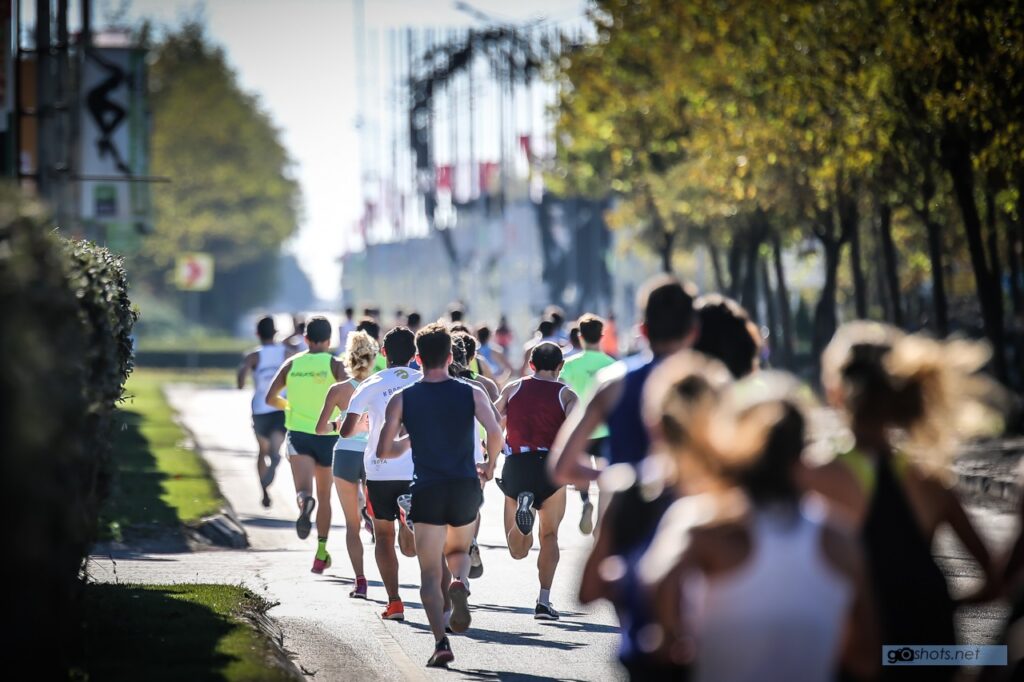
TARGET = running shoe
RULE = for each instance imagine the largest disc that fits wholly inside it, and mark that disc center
(394, 611)
(461, 618)
(545, 612)
(368, 523)
(442, 655)
(359, 591)
(524, 513)
(587, 518)
(476, 564)
(266, 499)
(404, 507)
(319, 565)
(303, 525)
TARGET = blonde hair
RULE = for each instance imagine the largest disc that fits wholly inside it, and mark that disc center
(360, 353)
(929, 391)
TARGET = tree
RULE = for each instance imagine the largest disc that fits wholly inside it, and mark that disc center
(232, 192)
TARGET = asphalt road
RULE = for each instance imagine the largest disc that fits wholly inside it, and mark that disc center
(335, 637)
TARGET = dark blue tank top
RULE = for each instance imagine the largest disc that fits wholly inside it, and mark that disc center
(627, 435)
(440, 419)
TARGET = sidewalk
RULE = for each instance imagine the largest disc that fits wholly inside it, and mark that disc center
(337, 638)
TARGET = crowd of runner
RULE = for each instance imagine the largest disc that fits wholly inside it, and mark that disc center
(728, 552)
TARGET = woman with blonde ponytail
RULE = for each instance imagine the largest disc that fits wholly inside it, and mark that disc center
(907, 400)
(358, 359)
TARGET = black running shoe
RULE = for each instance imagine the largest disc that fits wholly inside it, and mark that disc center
(303, 524)
(545, 612)
(476, 564)
(442, 655)
(524, 513)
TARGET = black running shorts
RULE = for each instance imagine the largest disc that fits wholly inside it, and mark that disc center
(266, 424)
(447, 503)
(320, 448)
(527, 472)
(384, 497)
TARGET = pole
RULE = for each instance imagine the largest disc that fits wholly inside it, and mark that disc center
(43, 100)
(193, 317)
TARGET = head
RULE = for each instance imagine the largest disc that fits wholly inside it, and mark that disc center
(434, 347)
(265, 329)
(399, 346)
(318, 333)
(546, 357)
(668, 316)
(546, 328)
(455, 314)
(360, 353)
(574, 337)
(414, 321)
(298, 323)
(458, 328)
(758, 437)
(678, 401)
(370, 326)
(483, 334)
(727, 334)
(591, 330)
(886, 380)
(350, 312)
(556, 315)
(463, 351)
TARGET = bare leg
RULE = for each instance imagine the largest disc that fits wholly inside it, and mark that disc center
(349, 498)
(456, 551)
(262, 465)
(430, 543)
(324, 483)
(384, 553)
(274, 453)
(518, 544)
(550, 518)
(302, 473)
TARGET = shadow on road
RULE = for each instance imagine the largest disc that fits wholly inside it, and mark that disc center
(511, 638)
(504, 676)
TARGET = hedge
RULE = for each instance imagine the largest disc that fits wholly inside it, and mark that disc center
(64, 341)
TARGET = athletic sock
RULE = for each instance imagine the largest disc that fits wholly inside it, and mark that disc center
(585, 496)
(321, 548)
(545, 597)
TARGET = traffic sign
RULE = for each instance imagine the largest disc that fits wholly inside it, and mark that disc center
(194, 272)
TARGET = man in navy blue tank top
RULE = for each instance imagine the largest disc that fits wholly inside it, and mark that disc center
(440, 414)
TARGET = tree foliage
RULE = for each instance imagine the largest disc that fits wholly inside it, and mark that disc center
(232, 192)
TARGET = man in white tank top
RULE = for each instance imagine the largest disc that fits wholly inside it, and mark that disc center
(267, 421)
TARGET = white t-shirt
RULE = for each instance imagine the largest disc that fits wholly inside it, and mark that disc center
(372, 397)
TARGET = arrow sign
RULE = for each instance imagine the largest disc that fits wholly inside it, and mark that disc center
(194, 272)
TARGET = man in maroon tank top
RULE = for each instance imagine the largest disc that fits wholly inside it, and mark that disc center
(534, 408)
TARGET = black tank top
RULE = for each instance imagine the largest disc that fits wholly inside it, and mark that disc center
(440, 419)
(913, 600)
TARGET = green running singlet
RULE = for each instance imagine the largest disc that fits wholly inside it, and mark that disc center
(309, 380)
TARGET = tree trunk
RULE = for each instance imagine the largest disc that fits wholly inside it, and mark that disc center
(716, 265)
(957, 160)
(748, 294)
(664, 236)
(771, 308)
(735, 263)
(992, 223)
(890, 263)
(849, 215)
(1013, 257)
(666, 252)
(825, 310)
(785, 315)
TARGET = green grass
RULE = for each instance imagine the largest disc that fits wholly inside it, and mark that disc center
(160, 481)
(200, 344)
(177, 632)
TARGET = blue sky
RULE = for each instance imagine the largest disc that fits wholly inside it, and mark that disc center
(298, 56)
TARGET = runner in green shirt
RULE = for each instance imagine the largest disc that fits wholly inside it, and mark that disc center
(579, 373)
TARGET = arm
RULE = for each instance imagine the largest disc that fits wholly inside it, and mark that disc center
(338, 369)
(337, 398)
(964, 529)
(858, 656)
(248, 365)
(569, 400)
(485, 414)
(279, 383)
(594, 582)
(389, 432)
(569, 461)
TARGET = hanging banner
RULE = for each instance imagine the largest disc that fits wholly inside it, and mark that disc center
(114, 139)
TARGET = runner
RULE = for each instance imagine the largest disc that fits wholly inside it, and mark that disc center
(308, 377)
(346, 327)
(579, 373)
(297, 340)
(371, 327)
(575, 345)
(438, 413)
(463, 353)
(493, 355)
(534, 408)
(349, 470)
(387, 480)
(267, 421)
